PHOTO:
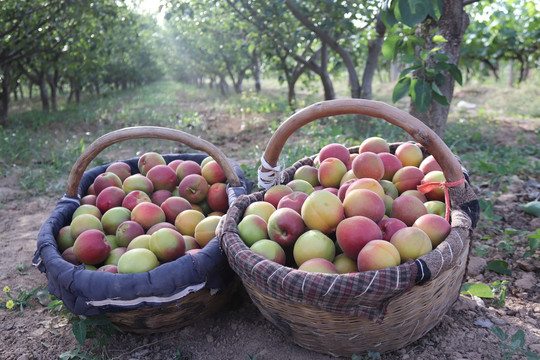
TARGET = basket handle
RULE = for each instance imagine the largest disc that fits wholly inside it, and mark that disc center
(146, 132)
(417, 129)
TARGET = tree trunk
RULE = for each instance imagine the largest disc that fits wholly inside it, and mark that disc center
(328, 87)
(374, 50)
(511, 75)
(43, 92)
(97, 88)
(30, 87)
(395, 70)
(53, 81)
(257, 71)
(223, 86)
(452, 26)
(4, 94)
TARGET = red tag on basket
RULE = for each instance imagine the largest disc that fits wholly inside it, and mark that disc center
(427, 187)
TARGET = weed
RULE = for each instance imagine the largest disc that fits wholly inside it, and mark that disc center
(534, 240)
(511, 240)
(20, 301)
(513, 345)
(495, 291)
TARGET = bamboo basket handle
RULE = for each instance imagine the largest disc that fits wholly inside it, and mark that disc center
(146, 132)
(417, 129)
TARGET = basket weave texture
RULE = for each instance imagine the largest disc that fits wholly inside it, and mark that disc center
(173, 295)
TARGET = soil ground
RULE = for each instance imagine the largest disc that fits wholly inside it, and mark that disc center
(239, 331)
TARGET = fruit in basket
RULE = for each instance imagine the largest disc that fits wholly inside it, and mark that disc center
(194, 188)
(275, 193)
(349, 175)
(114, 217)
(362, 202)
(368, 184)
(111, 239)
(127, 231)
(262, 208)
(147, 214)
(105, 180)
(388, 201)
(409, 154)
(429, 164)
(167, 244)
(160, 225)
(294, 201)
(377, 255)
(252, 228)
(191, 243)
(149, 160)
(417, 194)
(334, 150)
(84, 222)
(435, 226)
(355, 232)
(269, 249)
(174, 164)
(121, 169)
(213, 173)
(70, 257)
(374, 144)
(389, 188)
(313, 244)
(109, 197)
(138, 182)
(187, 221)
(300, 185)
(134, 198)
(407, 178)
(345, 264)
(87, 209)
(109, 268)
(322, 211)
(64, 239)
(307, 173)
(159, 196)
(407, 208)
(186, 168)
(318, 266)
(391, 165)
(142, 241)
(368, 165)
(438, 177)
(217, 197)
(114, 255)
(137, 260)
(162, 177)
(285, 226)
(389, 226)
(88, 200)
(411, 243)
(91, 247)
(173, 206)
(435, 207)
(206, 230)
(331, 170)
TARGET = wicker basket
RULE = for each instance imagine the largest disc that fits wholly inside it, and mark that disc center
(171, 296)
(350, 314)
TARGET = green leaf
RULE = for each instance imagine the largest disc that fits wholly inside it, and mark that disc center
(421, 94)
(390, 46)
(479, 290)
(401, 89)
(435, 8)
(499, 333)
(456, 73)
(441, 57)
(424, 54)
(439, 39)
(406, 58)
(79, 330)
(499, 266)
(532, 208)
(411, 12)
(441, 99)
(409, 69)
(436, 89)
(518, 339)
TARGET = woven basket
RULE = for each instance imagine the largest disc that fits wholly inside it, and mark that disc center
(350, 314)
(171, 296)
